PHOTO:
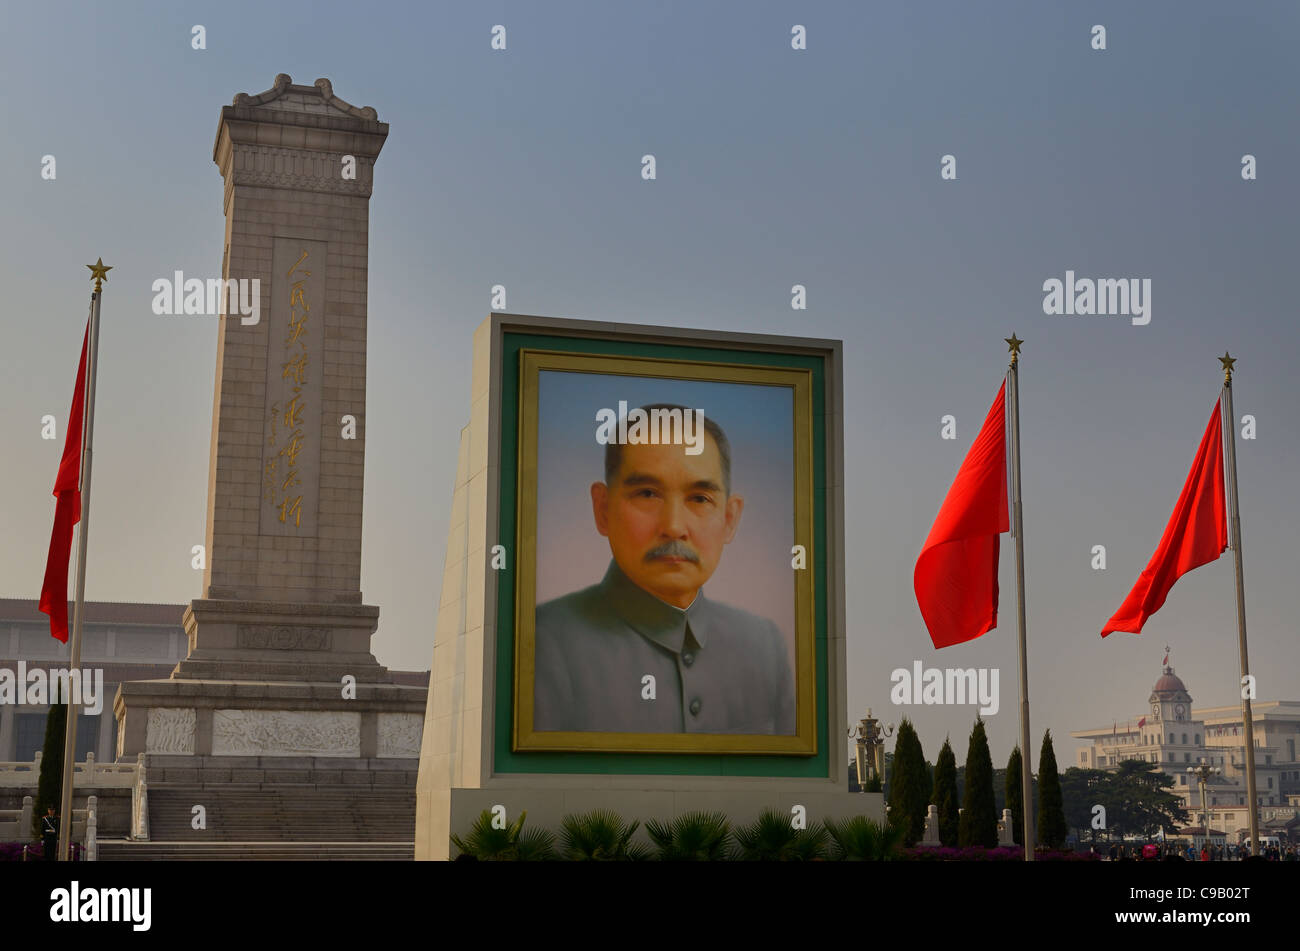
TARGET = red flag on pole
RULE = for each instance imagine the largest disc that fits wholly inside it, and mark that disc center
(1197, 533)
(1142, 723)
(67, 509)
(956, 576)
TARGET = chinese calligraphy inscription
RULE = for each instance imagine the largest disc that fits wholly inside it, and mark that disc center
(294, 367)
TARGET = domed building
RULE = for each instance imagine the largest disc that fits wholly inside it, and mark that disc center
(1174, 736)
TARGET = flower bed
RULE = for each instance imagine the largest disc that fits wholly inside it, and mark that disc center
(1000, 854)
(13, 851)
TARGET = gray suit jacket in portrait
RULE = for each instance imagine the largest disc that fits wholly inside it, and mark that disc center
(717, 669)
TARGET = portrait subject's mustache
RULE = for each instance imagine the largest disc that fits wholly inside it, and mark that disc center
(673, 549)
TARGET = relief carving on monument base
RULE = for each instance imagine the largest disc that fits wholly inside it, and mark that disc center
(400, 734)
(170, 730)
(285, 733)
(284, 637)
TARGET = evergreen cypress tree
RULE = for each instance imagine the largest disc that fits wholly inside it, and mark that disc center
(909, 784)
(1015, 795)
(979, 822)
(1051, 808)
(49, 788)
(945, 794)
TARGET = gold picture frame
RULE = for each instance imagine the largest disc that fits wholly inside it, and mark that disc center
(525, 738)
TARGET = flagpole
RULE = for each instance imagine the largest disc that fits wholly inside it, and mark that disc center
(99, 274)
(1017, 526)
(1230, 443)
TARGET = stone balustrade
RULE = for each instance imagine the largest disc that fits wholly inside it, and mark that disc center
(16, 825)
(87, 774)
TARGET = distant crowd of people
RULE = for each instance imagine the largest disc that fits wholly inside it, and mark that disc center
(1156, 851)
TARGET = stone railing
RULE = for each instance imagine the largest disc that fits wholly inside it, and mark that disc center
(89, 773)
(140, 803)
(16, 825)
(92, 843)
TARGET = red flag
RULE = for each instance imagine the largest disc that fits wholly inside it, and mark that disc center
(1166, 660)
(1142, 723)
(1197, 533)
(67, 510)
(956, 576)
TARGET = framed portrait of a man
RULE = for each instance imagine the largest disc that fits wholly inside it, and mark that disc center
(664, 593)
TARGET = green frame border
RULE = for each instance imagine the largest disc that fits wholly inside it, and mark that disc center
(506, 761)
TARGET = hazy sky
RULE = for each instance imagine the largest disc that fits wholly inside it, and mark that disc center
(775, 167)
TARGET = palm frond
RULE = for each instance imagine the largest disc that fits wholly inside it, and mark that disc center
(861, 839)
(773, 838)
(691, 837)
(600, 836)
(487, 843)
(535, 845)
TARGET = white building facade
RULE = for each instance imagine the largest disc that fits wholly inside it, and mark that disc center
(1173, 736)
(124, 641)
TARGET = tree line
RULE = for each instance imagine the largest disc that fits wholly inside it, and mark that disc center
(1136, 799)
(967, 798)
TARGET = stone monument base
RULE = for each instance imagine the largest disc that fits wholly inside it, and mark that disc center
(274, 761)
(272, 640)
(236, 718)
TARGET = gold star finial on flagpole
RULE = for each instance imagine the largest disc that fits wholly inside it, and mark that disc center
(1227, 362)
(1013, 344)
(99, 273)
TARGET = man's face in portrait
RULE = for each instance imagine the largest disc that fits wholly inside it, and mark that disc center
(667, 516)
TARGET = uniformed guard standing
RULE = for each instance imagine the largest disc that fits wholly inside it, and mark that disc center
(50, 834)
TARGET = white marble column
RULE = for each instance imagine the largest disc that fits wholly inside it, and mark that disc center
(104, 752)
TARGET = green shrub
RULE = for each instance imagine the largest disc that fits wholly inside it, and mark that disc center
(600, 836)
(945, 794)
(49, 788)
(978, 824)
(509, 844)
(1015, 797)
(1051, 810)
(861, 839)
(909, 784)
(772, 838)
(692, 837)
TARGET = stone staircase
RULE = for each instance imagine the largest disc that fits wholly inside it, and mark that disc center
(123, 851)
(307, 822)
(305, 813)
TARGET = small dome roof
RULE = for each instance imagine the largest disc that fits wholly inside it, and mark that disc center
(1169, 686)
(1170, 683)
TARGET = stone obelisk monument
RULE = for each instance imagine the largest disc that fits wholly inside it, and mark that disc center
(279, 662)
